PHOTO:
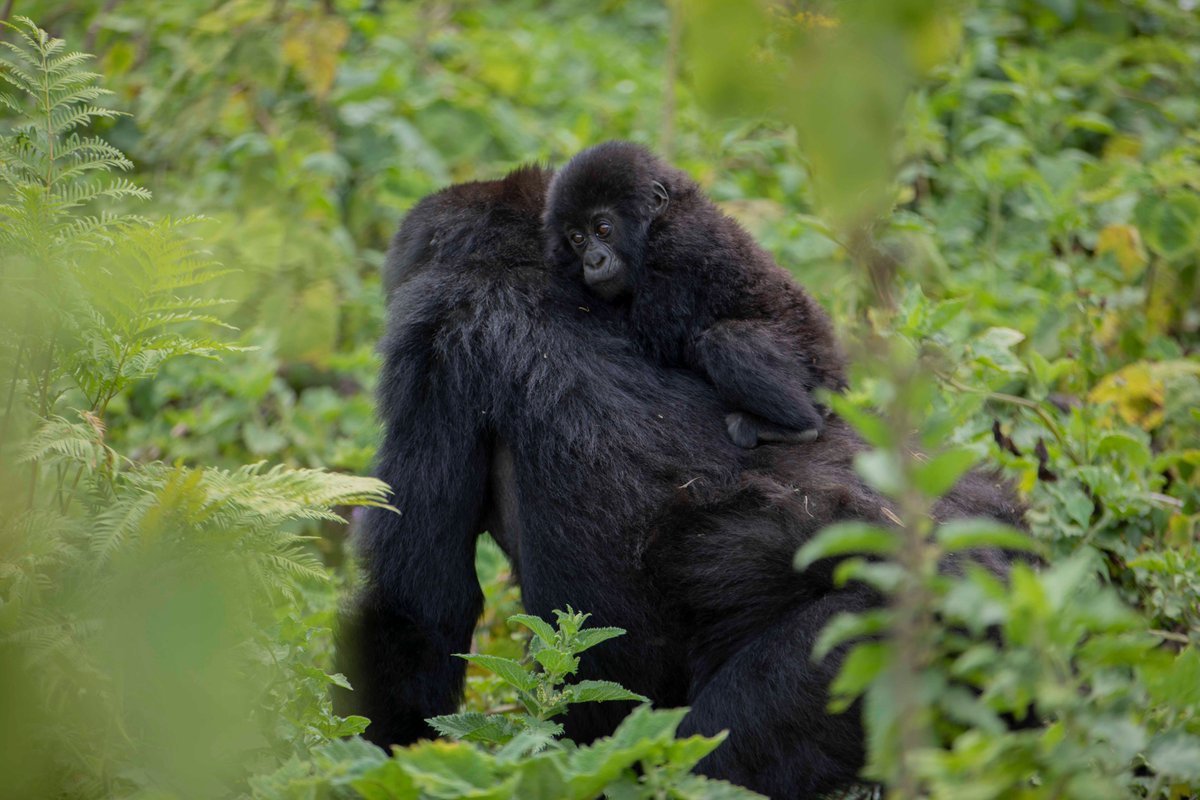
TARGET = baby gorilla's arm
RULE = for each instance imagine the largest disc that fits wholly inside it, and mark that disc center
(765, 382)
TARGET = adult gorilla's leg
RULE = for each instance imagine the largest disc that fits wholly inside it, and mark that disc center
(421, 597)
(772, 698)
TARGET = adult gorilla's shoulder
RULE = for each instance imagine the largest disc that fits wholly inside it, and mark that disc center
(510, 404)
(448, 226)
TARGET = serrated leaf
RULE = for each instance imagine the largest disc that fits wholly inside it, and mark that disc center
(511, 672)
(590, 637)
(474, 726)
(556, 662)
(460, 770)
(388, 781)
(542, 629)
(602, 692)
(683, 754)
(697, 787)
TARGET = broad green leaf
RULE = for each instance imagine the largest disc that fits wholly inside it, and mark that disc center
(1125, 243)
(647, 723)
(1090, 121)
(871, 426)
(474, 726)
(642, 733)
(944, 313)
(847, 538)
(557, 662)
(590, 637)
(1171, 224)
(528, 742)
(542, 777)
(938, 475)
(1177, 755)
(994, 348)
(697, 787)
(966, 534)
(683, 754)
(347, 726)
(882, 470)
(846, 626)
(511, 672)
(1063, 581)
(862, 666)
(388, 781)
(542, 629)
(1127, 449)
(602, 691)
(1177, 683)
(453, 770)
(883, 575)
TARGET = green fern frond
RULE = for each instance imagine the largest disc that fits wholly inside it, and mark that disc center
(296, 563)
(293, 494)
(63, 65)
(59, 439)
(15, 72)
(120, 521)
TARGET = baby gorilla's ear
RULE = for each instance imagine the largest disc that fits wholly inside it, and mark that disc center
(661, 199)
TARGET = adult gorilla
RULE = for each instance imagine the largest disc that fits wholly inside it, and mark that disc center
(513, 405)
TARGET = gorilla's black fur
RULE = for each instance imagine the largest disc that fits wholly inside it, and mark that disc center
(702, 293)
(509, 406)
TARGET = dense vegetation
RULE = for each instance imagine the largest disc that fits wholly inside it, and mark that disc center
(997, 201)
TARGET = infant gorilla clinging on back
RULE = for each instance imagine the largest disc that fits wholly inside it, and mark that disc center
(701, 293)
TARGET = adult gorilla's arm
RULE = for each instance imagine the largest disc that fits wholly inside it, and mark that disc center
(421, 597)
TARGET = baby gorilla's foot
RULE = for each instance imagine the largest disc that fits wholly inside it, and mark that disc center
(748, 431)
(742, 430)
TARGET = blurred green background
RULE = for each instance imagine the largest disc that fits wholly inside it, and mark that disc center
(1004, 190)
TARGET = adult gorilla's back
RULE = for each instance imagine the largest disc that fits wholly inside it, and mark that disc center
(512, 404)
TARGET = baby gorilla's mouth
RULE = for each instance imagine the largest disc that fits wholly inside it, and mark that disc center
(606, 280)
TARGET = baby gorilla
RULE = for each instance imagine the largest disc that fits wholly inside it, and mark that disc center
(701, 293)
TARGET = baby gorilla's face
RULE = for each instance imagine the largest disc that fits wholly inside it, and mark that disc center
(593, 237)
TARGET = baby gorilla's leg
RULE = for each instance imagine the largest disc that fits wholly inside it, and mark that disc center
(748, 431)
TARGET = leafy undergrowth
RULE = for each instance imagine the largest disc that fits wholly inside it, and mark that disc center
(1020, 270)
(521, 754)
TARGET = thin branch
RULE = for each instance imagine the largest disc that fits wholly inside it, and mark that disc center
(1013, 399)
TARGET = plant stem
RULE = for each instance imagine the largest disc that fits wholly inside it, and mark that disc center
(1013, 399)
(12, 391)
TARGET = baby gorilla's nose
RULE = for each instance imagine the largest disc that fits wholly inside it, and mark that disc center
(596, 261)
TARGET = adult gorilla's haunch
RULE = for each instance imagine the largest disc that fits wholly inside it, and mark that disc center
(609, 481)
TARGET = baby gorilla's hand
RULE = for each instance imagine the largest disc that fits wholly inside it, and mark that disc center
(748, 431)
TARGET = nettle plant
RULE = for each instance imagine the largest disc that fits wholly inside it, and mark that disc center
(520, 754)
(541, 691)
(1046, 682)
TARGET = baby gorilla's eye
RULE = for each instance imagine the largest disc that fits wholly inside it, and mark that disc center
(576, 237)
(603, 229)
